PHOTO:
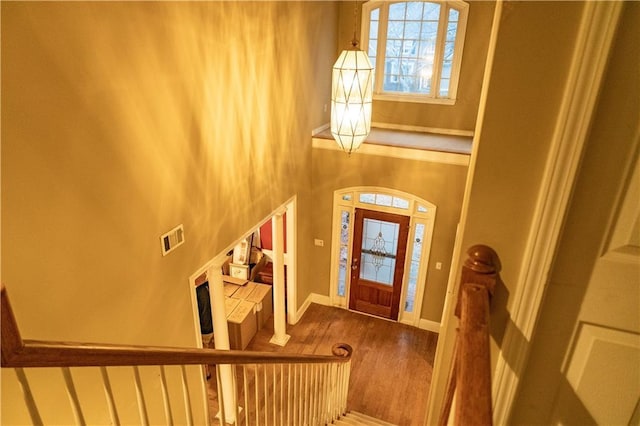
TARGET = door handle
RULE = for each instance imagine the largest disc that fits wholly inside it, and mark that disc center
(354, 264)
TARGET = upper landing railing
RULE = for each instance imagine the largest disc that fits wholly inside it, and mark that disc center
(268, 388)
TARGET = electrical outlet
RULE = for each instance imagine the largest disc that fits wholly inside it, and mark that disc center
(319, 243)
(438, 265)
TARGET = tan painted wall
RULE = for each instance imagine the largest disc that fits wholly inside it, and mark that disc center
(120, 121)
(440, 184)
(526, 87)
(462, 115)
(573, 295)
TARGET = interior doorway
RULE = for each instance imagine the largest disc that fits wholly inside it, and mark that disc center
(377, 267)
(222, 260)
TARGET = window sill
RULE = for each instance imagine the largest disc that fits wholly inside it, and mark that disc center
(439, 148)
(412, 98)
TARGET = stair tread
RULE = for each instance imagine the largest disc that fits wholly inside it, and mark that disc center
(349, 420)
(368, 419)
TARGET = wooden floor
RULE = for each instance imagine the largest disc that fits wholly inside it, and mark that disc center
(391, 365)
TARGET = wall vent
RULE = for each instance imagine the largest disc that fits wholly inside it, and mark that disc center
(172, 239)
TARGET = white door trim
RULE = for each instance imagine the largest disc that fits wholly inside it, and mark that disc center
(291, 260)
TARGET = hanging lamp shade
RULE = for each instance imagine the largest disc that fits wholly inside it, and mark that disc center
(351, 98)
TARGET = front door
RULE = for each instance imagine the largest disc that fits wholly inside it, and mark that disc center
(379, 249)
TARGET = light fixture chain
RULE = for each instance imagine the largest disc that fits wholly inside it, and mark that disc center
(354, 42)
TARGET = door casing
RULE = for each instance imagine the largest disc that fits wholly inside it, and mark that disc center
(421, 212)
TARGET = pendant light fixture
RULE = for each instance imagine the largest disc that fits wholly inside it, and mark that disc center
(351, 96)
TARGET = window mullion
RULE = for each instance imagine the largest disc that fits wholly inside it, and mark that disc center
(365, 27)
(401, 70)
(441, 48)
(439, 53)
(382, 47)
(458, 48)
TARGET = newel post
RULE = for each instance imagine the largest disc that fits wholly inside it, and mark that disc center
(470, 376)
(473, 359)
(11, 340)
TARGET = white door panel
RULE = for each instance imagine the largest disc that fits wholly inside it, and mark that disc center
(602, 368)
(604, 373)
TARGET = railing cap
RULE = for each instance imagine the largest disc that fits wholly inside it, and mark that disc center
(342, 350)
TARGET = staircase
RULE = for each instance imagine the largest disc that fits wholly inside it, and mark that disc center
(354, 418)
(252, 388)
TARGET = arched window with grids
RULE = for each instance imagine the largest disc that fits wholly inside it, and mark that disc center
(415, 47)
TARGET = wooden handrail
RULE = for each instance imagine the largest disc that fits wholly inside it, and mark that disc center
(474, 361)
(470, 376)
(17, 352)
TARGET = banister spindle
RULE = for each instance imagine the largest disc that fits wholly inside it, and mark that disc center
(256, 388)
(274, 393)
(234, 382)
(316, 394)
(266, 395)
(282, 407)
(185, 395)
(106, 385)
(142, 405)
(165, 397)
(222, 415)
(312, 394)
(325, 390)
(299, 394)
(245, 385)
(73, 396)
(289, 393)
(307, 392)
(28, 397)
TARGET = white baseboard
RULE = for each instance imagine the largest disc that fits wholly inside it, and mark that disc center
(429, 325)
(320, 299)
(320, 129)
